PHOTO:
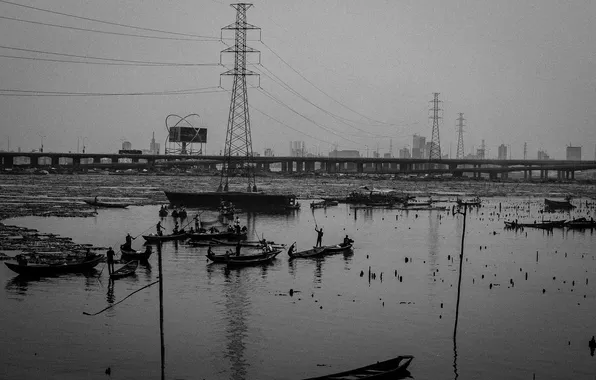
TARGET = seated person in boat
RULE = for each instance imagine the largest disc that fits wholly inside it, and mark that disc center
(347, 241)
(292, 248)
(175, 232)
(237, 228)
(244, 230)
(213, 230)
(22, 260)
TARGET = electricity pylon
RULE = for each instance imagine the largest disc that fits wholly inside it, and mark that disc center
(460, 136)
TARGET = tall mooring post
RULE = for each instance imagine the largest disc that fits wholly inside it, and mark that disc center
(435, 143)
(460, 136)
(238, 153)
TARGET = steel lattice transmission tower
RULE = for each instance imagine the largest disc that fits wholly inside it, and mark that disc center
(460, 136)
(435, 143)
(238, 153)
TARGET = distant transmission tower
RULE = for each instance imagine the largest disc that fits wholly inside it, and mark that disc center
(460, 136)
(238, 153)
(435, 143)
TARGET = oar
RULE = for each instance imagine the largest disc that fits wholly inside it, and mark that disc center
(111, 306)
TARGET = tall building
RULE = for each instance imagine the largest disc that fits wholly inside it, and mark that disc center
(542, 155)
(297, 149)
(126, 145)
(418, 146)
(574, 153)
(268, 152)
(404, 153)
(502, 152)
(153, 146)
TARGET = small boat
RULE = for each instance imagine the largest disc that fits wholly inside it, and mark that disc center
(261, 258)
(151, 238)
(558, 205)
(314, 252)
(293, 206)
(338, 248)
(179, 213)
(544, 225)
(476, 202)
(388, 369)
(581, 223)
(254, 243)
(163, 212)
(106, 204)
(254, 258)
(131, 254)
(32, 269)
(127, 270)
(197, 236)
(321, 204)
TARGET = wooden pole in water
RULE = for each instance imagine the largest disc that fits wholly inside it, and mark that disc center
(163, 348)
(461, 260)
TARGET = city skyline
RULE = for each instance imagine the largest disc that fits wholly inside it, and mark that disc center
(519, 72)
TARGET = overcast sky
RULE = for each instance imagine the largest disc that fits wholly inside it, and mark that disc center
(520, 71)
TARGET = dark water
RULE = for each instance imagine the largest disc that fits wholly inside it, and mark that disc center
(243, 324)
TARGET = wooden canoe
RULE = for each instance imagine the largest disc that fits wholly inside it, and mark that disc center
(131, 254)
(314, 252)
(52, 269)
(388, 369)
(217, 235)
(262, 258)
(558, 204)
(106, 204)
(156, 238)
(127, 270)
(338, 248)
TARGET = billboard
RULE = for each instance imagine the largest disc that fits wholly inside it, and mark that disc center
(188, 135)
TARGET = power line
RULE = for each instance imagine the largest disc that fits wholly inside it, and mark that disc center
(108, 59)
(321, 91)
(106, 32)
(305, 117)
(283, 84)
(107, 22)
(13, 92)
(106, 63)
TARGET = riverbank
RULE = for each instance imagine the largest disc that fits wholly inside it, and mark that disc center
(64, 195)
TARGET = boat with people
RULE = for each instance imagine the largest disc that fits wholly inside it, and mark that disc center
(227, 235)
(127, 270)
(389, 369)
(179, 213)
(313, 252)
(227, 209)
(545, 225)
(321, 204)
(260, 256)
(246, 243)
(558, 205)
(337, 248)
(153, 238)
(24, 267)
(131, 254)
(163, 211)
(259, 201)
(474, 202)
(96, 203)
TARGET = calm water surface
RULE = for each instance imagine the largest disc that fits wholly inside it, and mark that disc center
(243, 324)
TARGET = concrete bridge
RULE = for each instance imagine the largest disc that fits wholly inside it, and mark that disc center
(456, 167)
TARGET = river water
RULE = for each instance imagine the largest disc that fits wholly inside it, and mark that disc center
(243, 324)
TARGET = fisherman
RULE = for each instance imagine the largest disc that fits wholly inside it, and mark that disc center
(244, 229)
(95, 200)
(238, 247)
(159, 228)
(128, 245)
(175, 229)
(347, 241)
(319, 236)
(197, 224)
(292, 248)
(148, 250)
(110, 255)
(592, 345)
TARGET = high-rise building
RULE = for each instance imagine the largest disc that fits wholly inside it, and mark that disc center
(502, 152)
(126, 145)
(268, 152)
(542, 155)
(404, 153)
(297, 149)
(153, 146)
(574, 153)
(418, 146)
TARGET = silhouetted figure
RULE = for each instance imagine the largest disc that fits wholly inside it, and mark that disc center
(319, 236)
(158, 227)
(238, 247)
(110, 255)
(347, 241)
(292, 248)
(592, 345)
(128, 245)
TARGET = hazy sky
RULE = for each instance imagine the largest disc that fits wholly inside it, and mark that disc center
(520, 71)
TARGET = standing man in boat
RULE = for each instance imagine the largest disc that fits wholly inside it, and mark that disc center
(128, 244)
(238, 247)
(159, 228)
(319, 236)
(110, 255)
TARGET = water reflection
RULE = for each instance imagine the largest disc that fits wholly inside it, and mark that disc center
(237, 311)
(110, 296)
(318, 270)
